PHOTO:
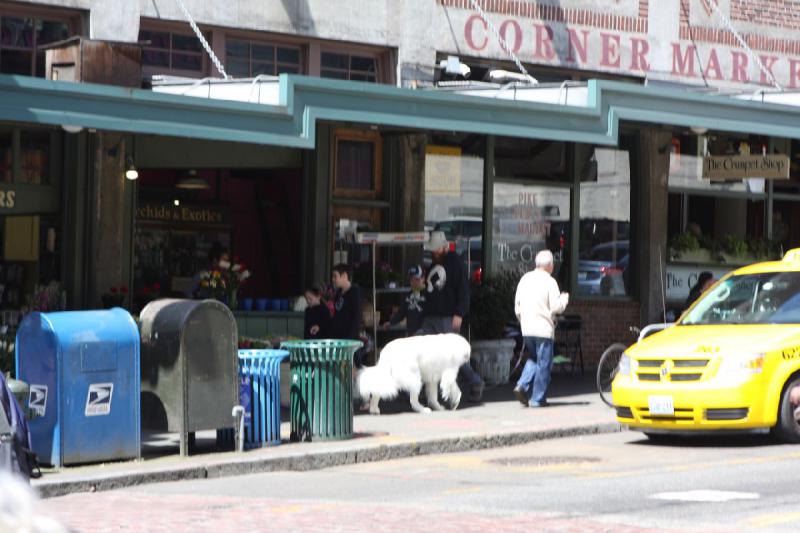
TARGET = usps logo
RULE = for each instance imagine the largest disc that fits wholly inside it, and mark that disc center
(37, 400)
(98, 401)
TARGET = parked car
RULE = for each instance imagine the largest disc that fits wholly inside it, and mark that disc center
(729, 363)
(602, 268)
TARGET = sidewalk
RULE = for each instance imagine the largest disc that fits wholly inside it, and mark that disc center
(575, 408)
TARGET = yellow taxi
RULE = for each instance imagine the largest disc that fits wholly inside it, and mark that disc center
(727, 364)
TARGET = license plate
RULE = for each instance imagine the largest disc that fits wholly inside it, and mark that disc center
(661, 405)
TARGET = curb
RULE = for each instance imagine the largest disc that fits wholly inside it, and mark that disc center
(316, 460)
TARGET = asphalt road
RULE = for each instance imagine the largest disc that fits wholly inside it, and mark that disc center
(616, 482)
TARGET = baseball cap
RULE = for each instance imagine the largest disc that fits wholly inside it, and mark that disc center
(416, 272)
(436, 240)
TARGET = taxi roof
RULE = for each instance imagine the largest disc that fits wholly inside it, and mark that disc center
(789, 263)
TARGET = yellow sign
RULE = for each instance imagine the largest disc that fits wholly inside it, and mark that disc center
(738, 167)
(443, 170)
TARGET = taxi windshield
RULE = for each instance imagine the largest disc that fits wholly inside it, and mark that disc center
(766, 298)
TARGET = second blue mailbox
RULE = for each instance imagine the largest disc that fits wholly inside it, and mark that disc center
(83, 372)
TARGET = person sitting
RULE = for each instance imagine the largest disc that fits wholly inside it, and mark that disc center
(317, 317)
(411, 310)
(704, 281)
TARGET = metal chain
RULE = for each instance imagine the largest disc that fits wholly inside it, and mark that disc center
(737, 35)
(203, 41)
(500, 39)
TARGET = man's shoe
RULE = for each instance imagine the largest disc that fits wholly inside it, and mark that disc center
(477, 392)
(536, 404)
(519, 394)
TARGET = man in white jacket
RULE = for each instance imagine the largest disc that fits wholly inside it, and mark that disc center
(536, 302)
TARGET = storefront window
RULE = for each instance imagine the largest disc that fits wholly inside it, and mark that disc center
(454, 194)
(6, 157)
(604, 265)
(526, 220)
(712, 226)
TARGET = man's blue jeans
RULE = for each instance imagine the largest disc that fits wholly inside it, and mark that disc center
(536, 373)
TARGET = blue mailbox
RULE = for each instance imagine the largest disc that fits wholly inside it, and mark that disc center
(83, 370)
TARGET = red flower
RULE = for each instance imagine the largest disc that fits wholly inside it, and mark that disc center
(156, 287)
(124, 289)
(113, 290)
(146, 290)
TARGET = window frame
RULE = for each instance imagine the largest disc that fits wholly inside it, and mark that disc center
(376, 56)
(74, 20)
(374, 137)
(301, 61)
(157, 26)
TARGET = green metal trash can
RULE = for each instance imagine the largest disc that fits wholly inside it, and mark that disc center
(321, 394)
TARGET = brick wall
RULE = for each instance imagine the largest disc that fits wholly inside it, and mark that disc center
(782, 13)
(604, 323)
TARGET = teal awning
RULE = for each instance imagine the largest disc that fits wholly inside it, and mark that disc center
(303, 101)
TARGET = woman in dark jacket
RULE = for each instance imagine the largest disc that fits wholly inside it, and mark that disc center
(704, 281)
(318, 318)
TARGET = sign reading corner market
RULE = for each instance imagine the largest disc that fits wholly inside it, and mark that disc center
(737, 167)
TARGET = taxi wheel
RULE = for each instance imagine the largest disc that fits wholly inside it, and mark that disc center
(788, 429)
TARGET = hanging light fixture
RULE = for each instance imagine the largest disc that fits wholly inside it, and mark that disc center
(130, 170)
(192, 182)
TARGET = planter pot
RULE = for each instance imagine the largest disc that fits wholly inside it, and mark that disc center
(493, 360)
(696, 256)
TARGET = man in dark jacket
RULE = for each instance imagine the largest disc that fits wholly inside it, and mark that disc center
(346, 321)
(447, 301)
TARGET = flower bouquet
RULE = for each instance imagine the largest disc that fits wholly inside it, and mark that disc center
(115, 297)
(224, 282)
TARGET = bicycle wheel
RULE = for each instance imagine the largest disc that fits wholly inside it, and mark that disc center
(607, 369)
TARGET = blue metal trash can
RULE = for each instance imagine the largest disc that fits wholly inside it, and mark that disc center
(260, 395)
(83, 371)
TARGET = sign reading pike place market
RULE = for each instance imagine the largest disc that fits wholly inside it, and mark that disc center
(737, 167)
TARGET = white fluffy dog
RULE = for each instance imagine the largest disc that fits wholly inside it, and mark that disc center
(405, 364)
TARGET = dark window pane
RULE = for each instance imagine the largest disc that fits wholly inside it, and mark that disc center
(16, 32)
(187, 62)
(339, 61)
(237, 48)
(355, 165)
(238, 67)
(6, 162)
(48, 31)
(263, 52)
(35, 148)
(41, 63)
(338, 74)
(189, 43)
(155, 58)
(288, 55)
(366, 64)
(263, 68)
(15, 62)
(285, 69)
(158, 39)
(357, 76)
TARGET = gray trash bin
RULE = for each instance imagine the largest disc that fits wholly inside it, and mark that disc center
(189, 367)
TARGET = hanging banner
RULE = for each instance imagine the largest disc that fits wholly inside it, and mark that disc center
(738, 167)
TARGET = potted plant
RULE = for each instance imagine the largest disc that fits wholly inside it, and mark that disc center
(492, 309)
(686, 247)
(735, 250)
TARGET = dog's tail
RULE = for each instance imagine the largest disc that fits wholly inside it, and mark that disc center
(376, 381)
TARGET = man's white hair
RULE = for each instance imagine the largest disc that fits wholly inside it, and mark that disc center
(19, 508)
(544, 259)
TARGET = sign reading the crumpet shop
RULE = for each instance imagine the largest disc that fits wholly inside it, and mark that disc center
(182, 214)
(737, 167)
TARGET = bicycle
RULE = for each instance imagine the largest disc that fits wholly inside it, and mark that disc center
(608, 366)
